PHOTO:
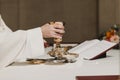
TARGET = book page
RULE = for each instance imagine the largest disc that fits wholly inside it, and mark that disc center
(97, 49)
(83, 46)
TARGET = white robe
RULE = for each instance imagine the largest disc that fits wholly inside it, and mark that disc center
(20, 44)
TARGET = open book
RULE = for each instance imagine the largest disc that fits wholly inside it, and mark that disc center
(92, 49)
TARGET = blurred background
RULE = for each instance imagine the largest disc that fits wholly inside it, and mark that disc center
(85, 19)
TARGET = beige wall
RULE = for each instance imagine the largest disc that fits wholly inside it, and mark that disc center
(109, 14)
(83, 17)
(9, 11)
(79, 15)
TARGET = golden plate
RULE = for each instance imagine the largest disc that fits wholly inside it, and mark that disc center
(36, 61)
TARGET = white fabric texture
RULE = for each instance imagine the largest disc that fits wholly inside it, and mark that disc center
(20, 44)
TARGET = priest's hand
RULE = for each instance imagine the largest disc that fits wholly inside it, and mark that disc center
(55, 30)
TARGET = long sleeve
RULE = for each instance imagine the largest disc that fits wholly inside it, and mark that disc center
(34, 45)
(36, 41)
(19, 44)
(10, 47)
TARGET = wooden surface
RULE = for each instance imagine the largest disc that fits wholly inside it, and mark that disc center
(110, 77)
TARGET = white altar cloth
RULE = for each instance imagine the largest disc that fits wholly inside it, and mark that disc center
(24, 71)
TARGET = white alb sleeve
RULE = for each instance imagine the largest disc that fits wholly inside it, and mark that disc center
(35, 38)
